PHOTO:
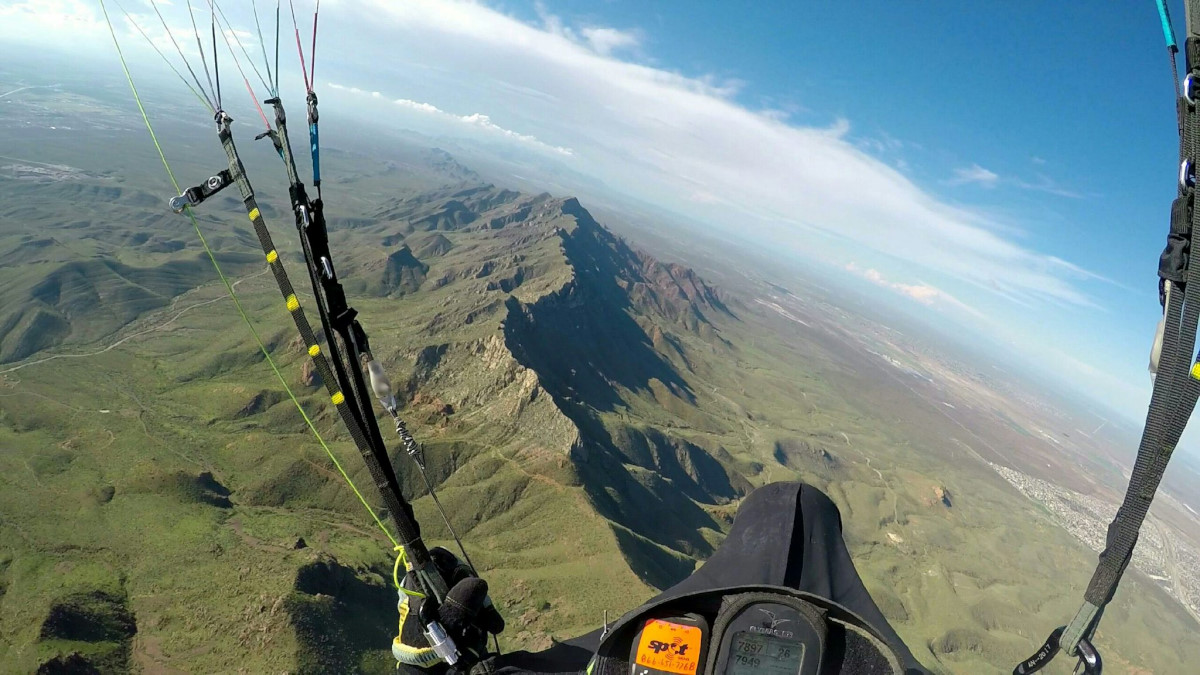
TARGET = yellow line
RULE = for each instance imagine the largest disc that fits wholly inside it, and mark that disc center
(254, 214)
(272, 257)
(233, 295)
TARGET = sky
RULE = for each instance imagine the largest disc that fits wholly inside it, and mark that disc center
(1006, 168)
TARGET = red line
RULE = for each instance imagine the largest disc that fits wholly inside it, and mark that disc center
(303, 67)
(312, 55)
(256, 104)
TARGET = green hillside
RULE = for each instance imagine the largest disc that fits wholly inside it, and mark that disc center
(591, 415)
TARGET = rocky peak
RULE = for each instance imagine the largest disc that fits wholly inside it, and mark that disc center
(670, 289)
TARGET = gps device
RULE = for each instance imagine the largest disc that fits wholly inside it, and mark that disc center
(742, 630)
(761, 636)
(673, 645)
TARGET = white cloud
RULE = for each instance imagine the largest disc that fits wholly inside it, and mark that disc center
(978, 175)
(1046, 184)
(642, 130)
(478, 120)
(663, 137)
(607, 40)
(682, 142)
(58, 22)
(603, 40)
(974, 174)
(924, 293)
(403, 102)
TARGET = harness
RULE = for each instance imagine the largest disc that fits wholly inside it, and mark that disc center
(1177, 375)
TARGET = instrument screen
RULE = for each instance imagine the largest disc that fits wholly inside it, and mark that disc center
(760, 654)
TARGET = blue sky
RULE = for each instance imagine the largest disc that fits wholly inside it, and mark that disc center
(1054, 117)
(1006, 167)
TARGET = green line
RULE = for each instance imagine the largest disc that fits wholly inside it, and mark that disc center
(229, 287)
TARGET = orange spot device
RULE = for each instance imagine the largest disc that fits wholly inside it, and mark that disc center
(674, 646)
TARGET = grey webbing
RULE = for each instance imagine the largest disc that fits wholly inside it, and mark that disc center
(361, 409)
(399, 509)
(1174, 396)
(352, 381)
(285, 144)
(296, 193)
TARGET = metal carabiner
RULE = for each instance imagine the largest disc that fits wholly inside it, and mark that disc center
(1090, 662)
(1089, 658)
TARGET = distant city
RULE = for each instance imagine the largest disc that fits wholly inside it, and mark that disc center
(1161, 554)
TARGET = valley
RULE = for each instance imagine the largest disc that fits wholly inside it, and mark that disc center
(592, 411)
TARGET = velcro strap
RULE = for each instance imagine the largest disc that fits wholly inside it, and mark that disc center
(1172, 264)
(1181, 220)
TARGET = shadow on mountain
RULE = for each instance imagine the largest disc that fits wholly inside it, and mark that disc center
(186, 487)
(93, 629)
(343, 624)
(688, 466)
(650, 562)
(582, 339)
(651, 507)
(795, 453)
(599, 337)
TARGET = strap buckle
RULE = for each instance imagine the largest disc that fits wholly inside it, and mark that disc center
(1090, 662)
(274, 136)
(193, 196)
(312, 107)
(1189, 84)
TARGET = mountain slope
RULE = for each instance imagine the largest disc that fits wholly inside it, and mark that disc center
(590, 414)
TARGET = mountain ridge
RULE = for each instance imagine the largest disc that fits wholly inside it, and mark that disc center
(590, 414)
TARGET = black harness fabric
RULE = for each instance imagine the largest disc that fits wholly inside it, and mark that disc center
(1175, 391)
(376, 459)
(785, 534)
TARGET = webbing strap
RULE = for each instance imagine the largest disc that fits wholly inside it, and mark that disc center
(1176, 387)
(301, 211)
(314, 143)
(338, 320)
(385, 480)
